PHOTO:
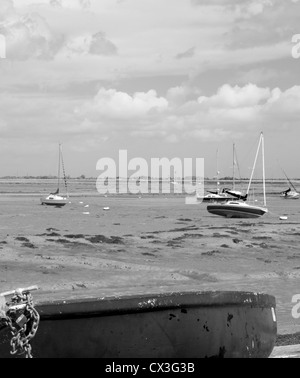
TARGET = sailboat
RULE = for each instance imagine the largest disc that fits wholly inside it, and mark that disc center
(55, 199)
(290, 193)
(239, 208)
(218, 195)
(233, 191)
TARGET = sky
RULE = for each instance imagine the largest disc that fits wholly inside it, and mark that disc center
(158, 78)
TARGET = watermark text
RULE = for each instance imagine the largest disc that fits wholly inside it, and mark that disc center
(161, 176)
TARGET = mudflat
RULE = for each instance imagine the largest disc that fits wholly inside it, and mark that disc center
(148, 244)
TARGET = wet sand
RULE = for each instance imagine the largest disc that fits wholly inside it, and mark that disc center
(145, 245)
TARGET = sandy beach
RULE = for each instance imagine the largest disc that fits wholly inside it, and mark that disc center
(148, 244)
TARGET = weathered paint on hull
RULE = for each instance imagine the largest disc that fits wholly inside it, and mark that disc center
(229, 212)
(177, 325)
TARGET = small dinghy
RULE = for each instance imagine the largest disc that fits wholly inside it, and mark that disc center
(168, 325)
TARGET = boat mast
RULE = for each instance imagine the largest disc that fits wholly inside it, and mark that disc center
(233, 175)
(263, 163)
(218, 184)
(58, 178)
(64, 172)
(254, 165)
(289, 181)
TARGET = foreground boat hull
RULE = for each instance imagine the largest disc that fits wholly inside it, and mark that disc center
(228, 211)
(176, 325)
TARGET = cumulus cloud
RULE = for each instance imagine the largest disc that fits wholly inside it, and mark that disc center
(233, 97)
(230, 112)
(119, 105)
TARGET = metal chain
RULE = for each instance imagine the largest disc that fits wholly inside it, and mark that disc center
(22, 333)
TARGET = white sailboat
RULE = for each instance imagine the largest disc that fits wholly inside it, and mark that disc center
(218, 195)
(55, 199)
(292, 192)
(240, 208)
(234, 192)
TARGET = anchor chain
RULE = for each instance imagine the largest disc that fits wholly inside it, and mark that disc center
(23, 321)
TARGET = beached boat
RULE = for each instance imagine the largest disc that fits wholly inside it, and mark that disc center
(234, 192)
(292, 192)
(236, 209)
(168, 325)
(215, 197)
(55, 199)
(239, 208)
(218, 195)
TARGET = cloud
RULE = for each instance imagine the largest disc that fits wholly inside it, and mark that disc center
(73, 4)
(119, 105)
(27, 36)
(187, 54)
(231, 112)
(99, 45)
(234, 97)
(56, 3)
(85, 4)
(6, 10)
(96, 44)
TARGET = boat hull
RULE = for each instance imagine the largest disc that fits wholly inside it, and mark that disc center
(176, 325)
(291, 196)
(229, 211)
(56, 203)
(214, 199)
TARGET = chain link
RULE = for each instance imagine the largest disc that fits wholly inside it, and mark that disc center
(22, 334)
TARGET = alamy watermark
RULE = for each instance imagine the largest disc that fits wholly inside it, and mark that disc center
(2, 47)
(296, 47)
(136, 176)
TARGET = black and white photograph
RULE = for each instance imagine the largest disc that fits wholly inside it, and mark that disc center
(149, 182)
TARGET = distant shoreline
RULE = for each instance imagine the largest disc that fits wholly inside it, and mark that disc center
(206, 179)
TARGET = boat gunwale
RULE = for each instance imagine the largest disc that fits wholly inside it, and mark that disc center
(97, 306)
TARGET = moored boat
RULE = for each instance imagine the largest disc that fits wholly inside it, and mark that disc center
(168, 325)
(55, 199)
(239, 208)
(290, 194)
